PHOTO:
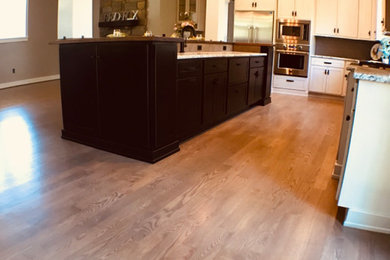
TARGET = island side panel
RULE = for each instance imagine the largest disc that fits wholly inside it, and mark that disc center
(163, 99)
(79, 93)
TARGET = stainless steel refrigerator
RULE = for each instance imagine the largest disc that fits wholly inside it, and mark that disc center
(253, 26)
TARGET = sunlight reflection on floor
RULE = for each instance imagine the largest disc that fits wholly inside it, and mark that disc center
(16, 149)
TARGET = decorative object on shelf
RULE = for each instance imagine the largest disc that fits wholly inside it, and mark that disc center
(121, 16)
(385, 48)
(117, 33)
(185, 30)
(376, 51)
(148, 34)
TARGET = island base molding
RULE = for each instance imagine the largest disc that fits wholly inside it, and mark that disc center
(150, 156)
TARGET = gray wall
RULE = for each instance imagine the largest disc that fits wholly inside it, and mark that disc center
(35, 57)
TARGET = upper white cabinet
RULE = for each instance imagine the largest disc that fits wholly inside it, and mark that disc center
(296, 9)
(347, 18)
(338, 18)
(326, 17)
(255, 5)
(367, 20)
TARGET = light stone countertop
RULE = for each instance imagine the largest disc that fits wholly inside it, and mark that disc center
(334, 58)
(371, 74)
(216, 54)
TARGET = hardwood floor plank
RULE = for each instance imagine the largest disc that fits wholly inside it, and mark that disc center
(258, 186)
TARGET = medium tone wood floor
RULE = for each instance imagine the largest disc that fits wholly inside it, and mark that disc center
(256, 187)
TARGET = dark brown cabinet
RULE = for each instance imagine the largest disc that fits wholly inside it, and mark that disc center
(79, 89)
(189, 98)
(135, 98)
(121, 96)
(126, 83)
(238, 85)
(256, 80)
(214, 98)
(238, 70)
(214, 90)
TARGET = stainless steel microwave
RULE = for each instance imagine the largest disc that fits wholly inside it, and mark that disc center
(293, 31)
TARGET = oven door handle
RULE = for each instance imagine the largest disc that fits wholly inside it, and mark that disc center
(293, 52)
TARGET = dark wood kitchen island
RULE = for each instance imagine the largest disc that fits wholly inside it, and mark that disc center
(125, 95)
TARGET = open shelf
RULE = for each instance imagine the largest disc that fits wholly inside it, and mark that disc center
(118, 24)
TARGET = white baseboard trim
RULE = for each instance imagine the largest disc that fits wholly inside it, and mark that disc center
(293, 92)
(28, 81)
(368, 222)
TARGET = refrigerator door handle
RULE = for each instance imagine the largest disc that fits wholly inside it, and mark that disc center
(255, 34)
(250, 34)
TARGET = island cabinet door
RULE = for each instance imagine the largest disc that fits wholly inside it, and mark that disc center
(189, 106)
(162, 81)
(78, 88)
(123, 93)
(214, 98)
(189, 97)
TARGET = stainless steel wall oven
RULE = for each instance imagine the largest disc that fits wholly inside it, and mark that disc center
(291, 60)
(292, 48)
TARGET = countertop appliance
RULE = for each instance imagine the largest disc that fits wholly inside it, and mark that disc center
(292, 49)
(253, 26)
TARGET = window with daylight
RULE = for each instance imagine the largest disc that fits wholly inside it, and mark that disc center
(75, 18)
(13, 20)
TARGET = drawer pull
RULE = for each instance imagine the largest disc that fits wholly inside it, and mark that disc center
(289, 80)
(327, 62)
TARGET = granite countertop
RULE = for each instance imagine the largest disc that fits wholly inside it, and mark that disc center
(229, 43)
(119, 39)
(371, 74)
(215, 54)
(333, 57)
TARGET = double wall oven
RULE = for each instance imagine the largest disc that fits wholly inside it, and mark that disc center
(292, 47)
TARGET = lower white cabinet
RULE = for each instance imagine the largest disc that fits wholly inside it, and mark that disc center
(327, 76)
(297, 85)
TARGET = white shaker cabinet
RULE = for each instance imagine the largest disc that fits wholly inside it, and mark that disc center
(327, 76)
(347, 18)
(337, 18)
(255, 5)
(296, 9)
(367, 20)
(286, 8)
(326, 17)
(334, 81)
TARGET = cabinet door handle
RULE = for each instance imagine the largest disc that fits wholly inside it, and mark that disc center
(292, 13)
(325, 72)
(295, 13)
(369, 33)
(327, 62)
(334, 30)
(255, 4)
(338, 30)
(256, 74)
(289, 80)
